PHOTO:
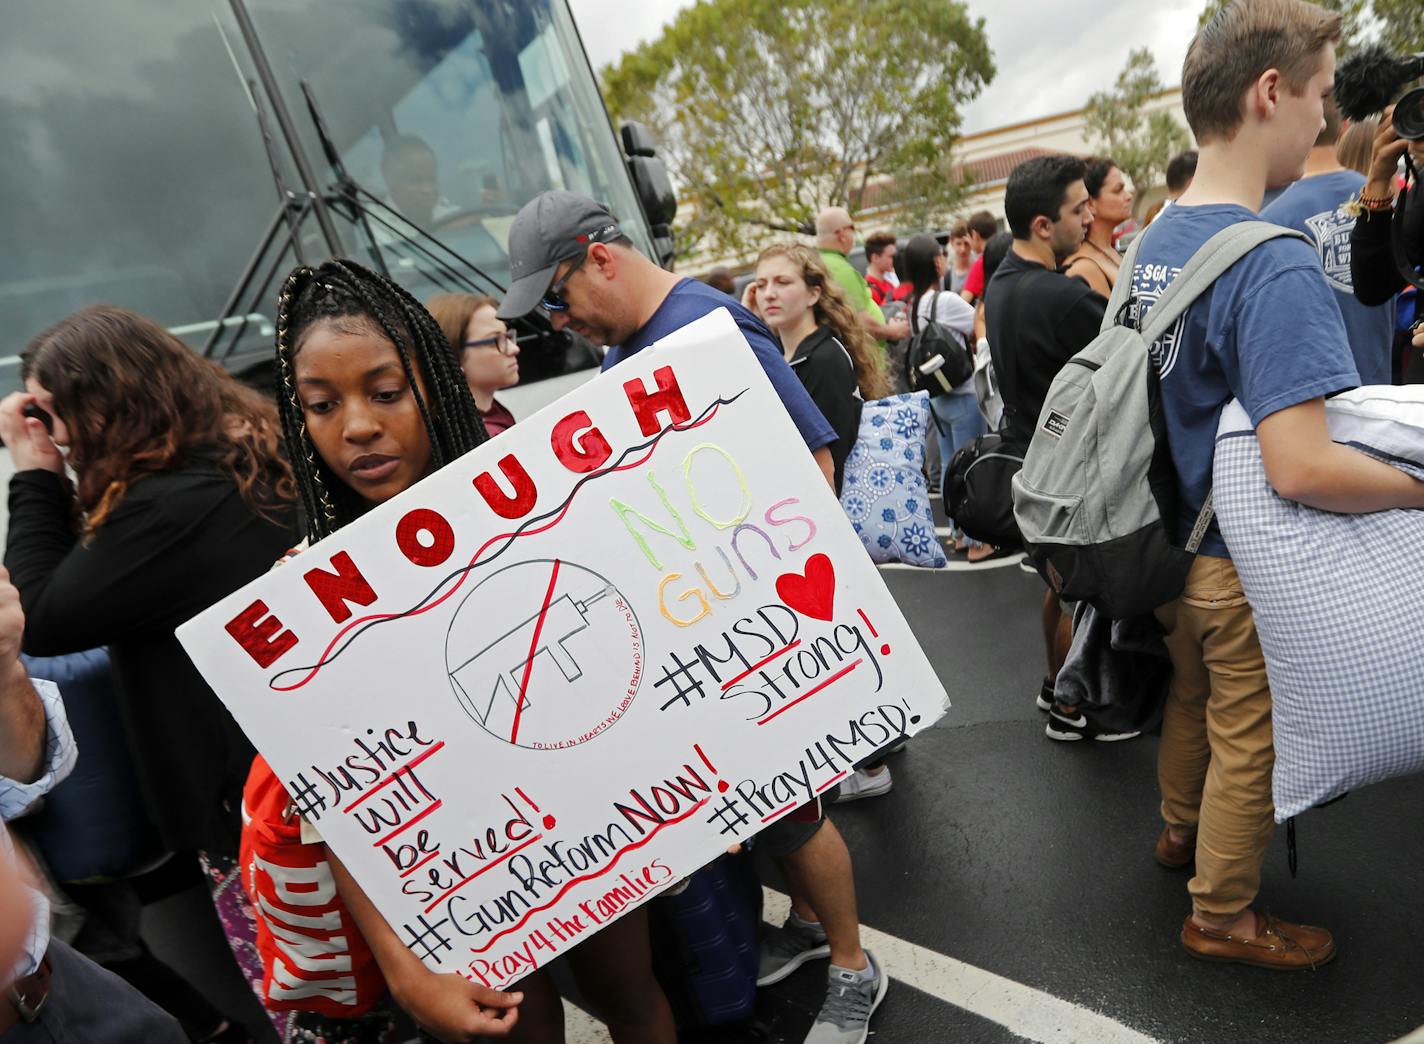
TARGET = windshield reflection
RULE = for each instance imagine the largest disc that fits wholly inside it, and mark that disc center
(135, 173)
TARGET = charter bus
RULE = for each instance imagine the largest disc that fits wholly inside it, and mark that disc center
(176, 157)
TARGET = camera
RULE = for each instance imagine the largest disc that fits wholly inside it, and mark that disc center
(1409, 115)
(35, 411)
(1368, 81)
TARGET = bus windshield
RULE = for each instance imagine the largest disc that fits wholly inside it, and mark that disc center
(135, 172)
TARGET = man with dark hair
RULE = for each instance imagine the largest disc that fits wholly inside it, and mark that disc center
(1180, 170)
(880, 250)
(981, 226)
(1036, 319)
(568, 254)
(1269, 335)
(1319, 205)
(721, 279)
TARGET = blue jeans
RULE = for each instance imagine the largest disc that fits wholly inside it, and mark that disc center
(956, 420)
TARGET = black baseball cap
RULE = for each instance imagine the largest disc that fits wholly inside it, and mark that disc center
(550, 228)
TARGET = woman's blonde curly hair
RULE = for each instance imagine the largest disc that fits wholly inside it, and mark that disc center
(833, 310)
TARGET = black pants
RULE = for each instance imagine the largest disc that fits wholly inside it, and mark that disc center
(88, 1005)
(110, 938)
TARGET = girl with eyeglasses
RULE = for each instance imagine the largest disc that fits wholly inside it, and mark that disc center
(487, 350)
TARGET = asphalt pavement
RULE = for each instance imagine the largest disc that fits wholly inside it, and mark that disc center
(1012, 877)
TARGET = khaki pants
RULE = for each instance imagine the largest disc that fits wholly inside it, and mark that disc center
(1214, 763)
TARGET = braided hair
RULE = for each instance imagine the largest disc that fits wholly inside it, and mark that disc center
(341, 289)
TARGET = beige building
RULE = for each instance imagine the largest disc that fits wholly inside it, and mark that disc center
(987, 158)
(990, 155)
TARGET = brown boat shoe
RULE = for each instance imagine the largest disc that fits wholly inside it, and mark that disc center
(1278, 945)
(1175, 854)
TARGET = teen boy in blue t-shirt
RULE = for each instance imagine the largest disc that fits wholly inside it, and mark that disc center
(1268, 334)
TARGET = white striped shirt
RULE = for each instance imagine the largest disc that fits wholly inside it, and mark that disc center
(16, 799)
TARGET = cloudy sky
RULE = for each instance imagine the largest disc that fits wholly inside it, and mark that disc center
(1051, 54)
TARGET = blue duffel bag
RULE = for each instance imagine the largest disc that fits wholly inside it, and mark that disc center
(92, 827)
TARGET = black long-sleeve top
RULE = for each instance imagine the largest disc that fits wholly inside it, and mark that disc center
(177, 543)
(1372, 268)
(825, 368)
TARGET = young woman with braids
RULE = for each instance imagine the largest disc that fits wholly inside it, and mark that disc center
(371, 400)
(181, 497)
(837, 361)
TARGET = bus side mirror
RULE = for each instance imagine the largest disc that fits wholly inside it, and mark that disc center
(652, 186)
(638, 140)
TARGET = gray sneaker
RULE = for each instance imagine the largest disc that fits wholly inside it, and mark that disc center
(850, 1001)
(785, 949)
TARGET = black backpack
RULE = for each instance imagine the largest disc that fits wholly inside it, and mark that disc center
(937, 358)
(978, 491)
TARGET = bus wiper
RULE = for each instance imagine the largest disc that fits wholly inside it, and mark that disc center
(362, 204)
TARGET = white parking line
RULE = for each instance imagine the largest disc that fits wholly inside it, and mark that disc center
(1032, 1014)
(961, 566)
(582, 1028)
(1021, 1009)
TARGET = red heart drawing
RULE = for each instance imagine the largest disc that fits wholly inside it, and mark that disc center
(812, 594)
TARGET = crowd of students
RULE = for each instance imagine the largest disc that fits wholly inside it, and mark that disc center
(150, 484)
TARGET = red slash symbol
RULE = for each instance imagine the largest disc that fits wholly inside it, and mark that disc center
(533, 648)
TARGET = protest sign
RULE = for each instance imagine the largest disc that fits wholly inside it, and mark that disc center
(570, 668)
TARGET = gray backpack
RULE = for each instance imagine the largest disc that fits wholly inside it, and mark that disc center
(1096, 500)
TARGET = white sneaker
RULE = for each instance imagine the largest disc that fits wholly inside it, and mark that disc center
(861, 784)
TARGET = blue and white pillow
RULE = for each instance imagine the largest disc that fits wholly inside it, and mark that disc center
(883, 490)
(1337, 601)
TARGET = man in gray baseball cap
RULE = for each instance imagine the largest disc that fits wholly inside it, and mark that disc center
(551, 228)
(568, 254)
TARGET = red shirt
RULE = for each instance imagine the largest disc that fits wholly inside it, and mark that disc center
(880, 290)
(497, 418)
(974, 281)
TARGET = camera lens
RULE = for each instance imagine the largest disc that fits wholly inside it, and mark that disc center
(1409, 115)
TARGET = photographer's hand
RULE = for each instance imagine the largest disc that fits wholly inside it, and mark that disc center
(1384, 159)
(29, 443)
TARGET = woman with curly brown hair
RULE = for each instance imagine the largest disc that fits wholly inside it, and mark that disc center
(181, 497)
(837, 361)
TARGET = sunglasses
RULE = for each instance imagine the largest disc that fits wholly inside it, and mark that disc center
(502, 340)
(554, 296)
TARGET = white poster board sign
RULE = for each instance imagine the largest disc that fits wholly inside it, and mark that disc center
(572, 667)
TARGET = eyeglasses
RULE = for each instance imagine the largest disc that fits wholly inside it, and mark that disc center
(553, 297)
(502, 340)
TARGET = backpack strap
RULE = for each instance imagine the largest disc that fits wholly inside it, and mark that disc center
(1122, 289)
(1207, 265)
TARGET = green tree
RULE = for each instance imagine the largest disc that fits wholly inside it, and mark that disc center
(769, 112)
(1354, 19)
(1140, 143)
(1400, 24)
(1397, 24)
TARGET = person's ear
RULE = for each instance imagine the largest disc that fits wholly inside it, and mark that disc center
(1042, 227)
(605, 259)
(1266, 92)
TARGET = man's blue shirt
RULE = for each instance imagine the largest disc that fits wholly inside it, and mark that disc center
(1316, 206)
(689, 301)
(1267, 333)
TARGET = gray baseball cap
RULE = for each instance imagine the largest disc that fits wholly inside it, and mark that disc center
(550, 228)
